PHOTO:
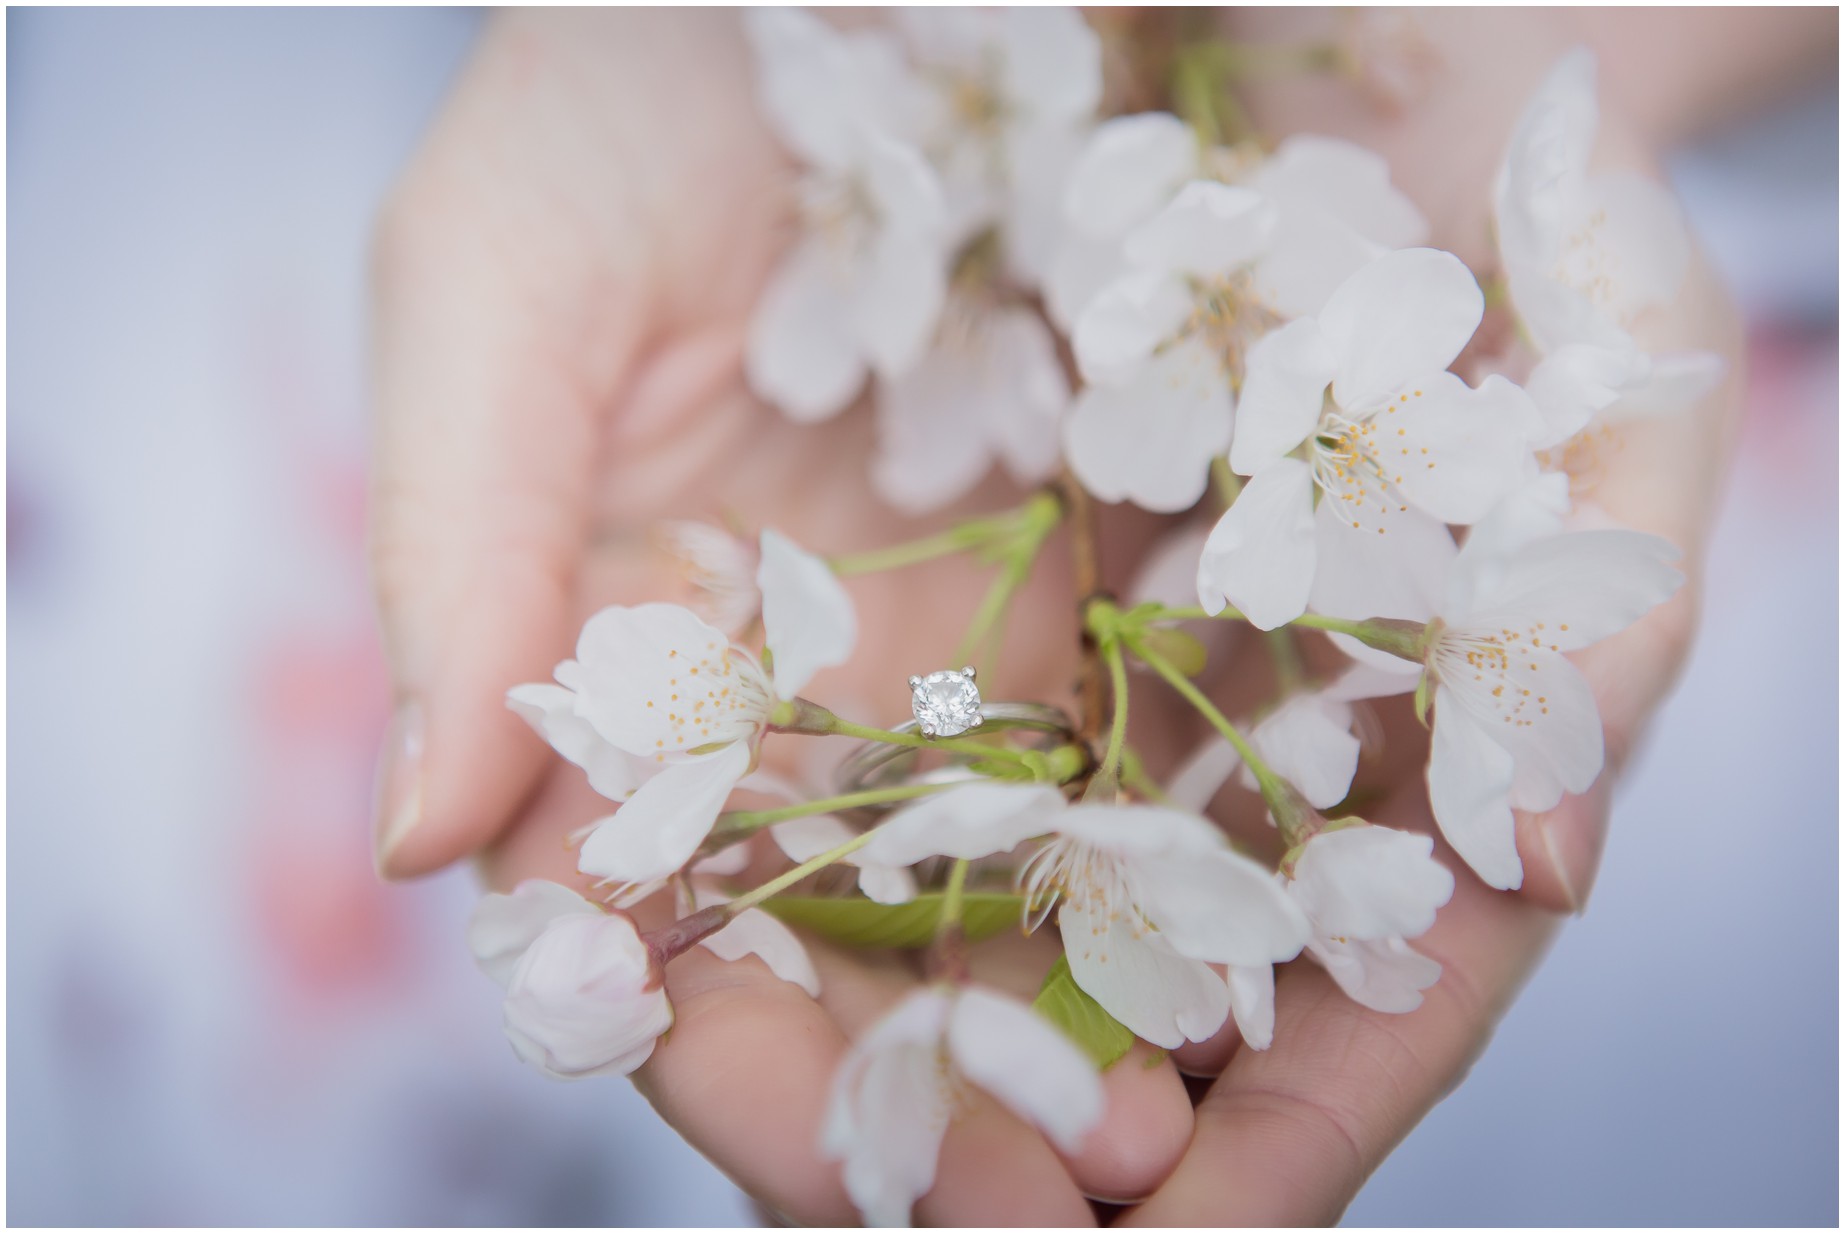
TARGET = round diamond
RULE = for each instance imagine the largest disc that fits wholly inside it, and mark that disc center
(947, 703)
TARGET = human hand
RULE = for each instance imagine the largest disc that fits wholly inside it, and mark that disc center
(564, 280)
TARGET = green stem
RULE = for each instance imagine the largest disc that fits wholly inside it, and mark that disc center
(960, 745)
(782, 882)
(952, 895)
(1228, 484)
(955, 540)
(1289, 672)
(1265, 775)
(1108, 775)
(743, 822)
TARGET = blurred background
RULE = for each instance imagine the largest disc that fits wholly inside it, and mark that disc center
(217, 1016)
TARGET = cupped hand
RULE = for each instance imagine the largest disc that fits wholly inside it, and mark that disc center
(564, 281)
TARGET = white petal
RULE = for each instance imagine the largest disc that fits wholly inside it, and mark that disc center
(1117, 335)
(1308, 741)
(1032, 393)
(1252, 1001)
(1452, 450)
(1168, 574)
(1196, 782)
(666, 820)
(932, 437)
(1347, 182)
(967, 822)
(1038, 1073)
(1639, 252)
(906, 196)
(1160, 995)
(552, 710)
(1582, 586)
(1534, 509)
(802, 66)
(1151, 442)
(1673, 383)
(1131, 167)
(898, 301)
(1542, 711)
(1137, 831)
(503, 926)
(1284, 387)
(1370, 882)
(1218, 906)
(1406, 315)
(1385, 974)
(1545, 161)
(754, 932)
(807, 618)
(1080, 268)
(1309, 257)
(1401, 573)
(889, 1109)
(1053, 61)
(1574, 383)
(1208, 230)
(1470, 783)
(1363, 681)
(803, 839)
(656, 680)
(586, 998)
(1261, 555)
(802, 354)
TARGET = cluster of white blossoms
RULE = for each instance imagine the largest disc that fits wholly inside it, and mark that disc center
(1259, 327)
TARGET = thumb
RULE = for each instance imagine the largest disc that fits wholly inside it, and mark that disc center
(485, 439)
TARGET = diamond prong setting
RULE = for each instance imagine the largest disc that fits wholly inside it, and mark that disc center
(946, 703)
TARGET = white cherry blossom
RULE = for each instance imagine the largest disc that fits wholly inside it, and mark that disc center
(721, 567)
(1010, 95)
(897, 1091)
(1586, 256)
(1147, 897)
(1357, 403)
(864, 282)
(666, 713)
(991, 390)
(1515, 725)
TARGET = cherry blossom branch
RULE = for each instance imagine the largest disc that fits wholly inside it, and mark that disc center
(1025, 521)
(1086, 565)
(739, 823)
(1108, 775)
(782, 882)
(1407, 640)
(813, 720)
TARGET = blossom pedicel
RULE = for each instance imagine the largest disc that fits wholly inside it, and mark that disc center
(1263, 325)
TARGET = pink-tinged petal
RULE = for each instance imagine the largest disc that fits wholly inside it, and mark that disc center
(1218, 906)
(932, 444)
(1080, 267)
(1370, 882)
(1029, 395)
(802, 65)
(1284, 388)
(898, 301)
(1455, 451)
(808, 621)
(1252, 1002)
(906, 195)
(552, 711)
(1534, 509)
(503, 926)
(1052, 62)
(1131, 167)
(754, 932)
(1036, 1072)
(1638, 252)
(1405, 316)
(1207, 231)
(1364, 681)
(1386, 974)
(1308, 741)
(802, 354)
(586, 998)
(1136, 976)
(1557, 315)
(666, 820)
(655, 680)
(1470, 785)
(1151, 441)
(966, 822)
(1566, 591)
(1573, 384)
(1261, 554)
(1309, 256)
(1125, 324)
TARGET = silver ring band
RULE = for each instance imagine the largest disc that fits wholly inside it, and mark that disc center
(858, 771)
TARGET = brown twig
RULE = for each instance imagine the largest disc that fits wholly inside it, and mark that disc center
(1091, 682)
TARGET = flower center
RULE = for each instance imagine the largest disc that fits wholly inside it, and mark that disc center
(1090, 879)
(714, 698)
(1359, 459)
(1227, 317)
(1490, 669)
(840, 211)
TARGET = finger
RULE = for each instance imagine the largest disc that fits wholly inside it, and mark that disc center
(1287, 1135)
(488, 385)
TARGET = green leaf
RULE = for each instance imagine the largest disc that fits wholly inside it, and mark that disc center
(1069, 1007)
(866, 923)
(1177, 647)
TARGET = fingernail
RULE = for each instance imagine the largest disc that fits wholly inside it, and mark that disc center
(1559, 868)
(399, 803)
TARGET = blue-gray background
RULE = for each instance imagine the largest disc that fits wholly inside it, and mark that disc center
(215, 1017)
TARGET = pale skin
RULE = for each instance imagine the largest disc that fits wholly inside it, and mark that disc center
(563, 281)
